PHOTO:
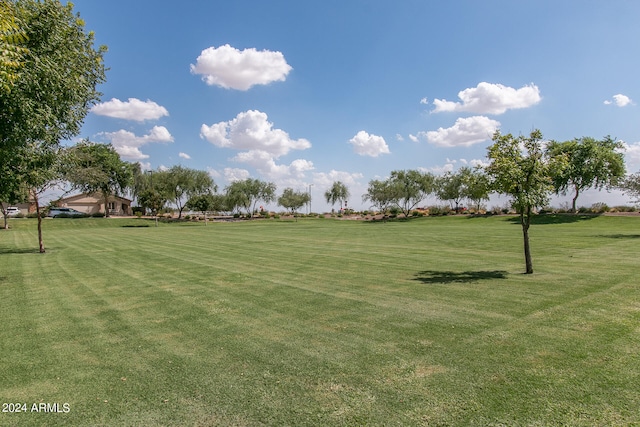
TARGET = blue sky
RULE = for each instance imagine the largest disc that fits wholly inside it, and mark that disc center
(310, 92)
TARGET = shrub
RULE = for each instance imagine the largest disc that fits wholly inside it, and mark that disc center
(436, 210)
(599, 207)
(624, 209)
(96, 215)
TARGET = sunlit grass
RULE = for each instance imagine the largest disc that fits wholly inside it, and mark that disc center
(322, 322)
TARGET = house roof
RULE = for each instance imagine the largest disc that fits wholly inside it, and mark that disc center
(97, 197)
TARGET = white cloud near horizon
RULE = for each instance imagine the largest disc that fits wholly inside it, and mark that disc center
(230, 68)
(326, 179)
(132, 109)
(260, 145)
(619, 100)
(632, 156)
(235, 174)
(464, 133)
(369, 145)
(489, 98)
(184, 156)
(127, 144)
(251, 130)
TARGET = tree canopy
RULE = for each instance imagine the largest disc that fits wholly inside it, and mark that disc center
(379, 194)
(59, 73)
(631, 186)
(408, 188)
(12, 51)
(247, 193)
(337, 193)
(97, 168)
(591, 163)
(181, 184)
(293, 200)
(451, 187)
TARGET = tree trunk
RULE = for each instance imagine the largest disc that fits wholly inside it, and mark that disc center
(525, 221)
(573, 202)
(39, 214)
(106, 204)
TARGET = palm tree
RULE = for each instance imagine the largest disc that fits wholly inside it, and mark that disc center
(337, 193)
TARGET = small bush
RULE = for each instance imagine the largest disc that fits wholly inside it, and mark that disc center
(623, 209)
(600, 207)
(438, 210)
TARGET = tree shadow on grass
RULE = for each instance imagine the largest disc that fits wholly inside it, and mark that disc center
(620, 236)
(444, 277)
(8, 250)
(548, 219)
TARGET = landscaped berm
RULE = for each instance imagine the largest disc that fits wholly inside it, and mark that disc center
(320, 323)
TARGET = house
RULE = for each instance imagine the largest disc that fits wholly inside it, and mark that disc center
(94, 203)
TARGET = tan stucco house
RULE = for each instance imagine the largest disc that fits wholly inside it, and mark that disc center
(94, 203)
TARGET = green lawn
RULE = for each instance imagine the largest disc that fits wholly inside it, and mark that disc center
(322, 323)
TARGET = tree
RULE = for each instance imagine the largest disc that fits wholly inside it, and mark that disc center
(519, 168)
(337, 193)
(450, 187)
(204, 203)
(182, 183)
(591, 164)
(247, 193)
(152, 199)
(410, 187)
(52, 73)
(476, 185)
(380, 196)
(39, 169)
(631, 186)
(293, 200)
(97, 168)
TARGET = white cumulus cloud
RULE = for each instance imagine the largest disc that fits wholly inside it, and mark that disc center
(465, 132)
(127, 144)
(369, 145)
(260, 145)
(619, 100)
(184, 156)
(230, 68)
(324, 180)
(488, 98)
(235, 174)
(265, 164)
(251, 130)
(133, 109)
